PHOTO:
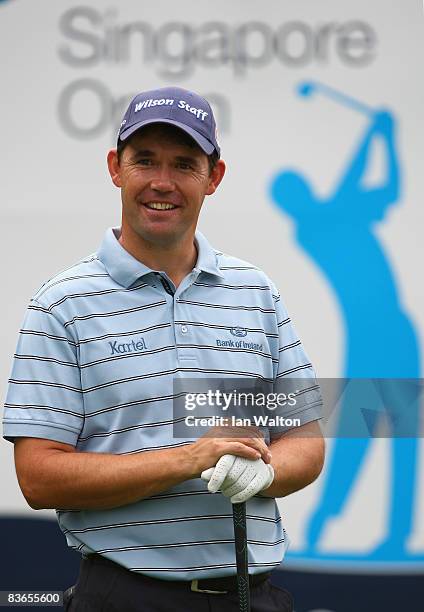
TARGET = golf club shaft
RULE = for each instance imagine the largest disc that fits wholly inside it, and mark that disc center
(240, 537)
(343, 99)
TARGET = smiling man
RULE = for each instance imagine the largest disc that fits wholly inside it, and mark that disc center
(164, 177)
(90, 400)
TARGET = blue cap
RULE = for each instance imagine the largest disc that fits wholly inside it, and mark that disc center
(180, 107)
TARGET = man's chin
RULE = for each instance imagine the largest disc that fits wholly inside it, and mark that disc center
(161, 237)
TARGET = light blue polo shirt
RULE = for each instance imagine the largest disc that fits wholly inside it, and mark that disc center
(97, 354)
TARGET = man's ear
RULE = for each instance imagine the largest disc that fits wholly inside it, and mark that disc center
(216, 176)
(114, 167)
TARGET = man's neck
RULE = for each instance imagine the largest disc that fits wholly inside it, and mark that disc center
(177, 260)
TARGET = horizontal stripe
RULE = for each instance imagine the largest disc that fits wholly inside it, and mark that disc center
(90, 294)
(238, 268)
(222, 286)
(45, 383)
(45, 359)
(156, 497)
(38, 407)
(72, 278)
(55, 280)
(131, 428)
(225, 307)
(187, 544)
(33, 332)
(284, 322)
(297, 369)
(289, 346)
(181, 519)
(38, 308)
(134, 332)
(112, 383)
(199, 567)
(124, 311)
(139, 402)
(136, 355)
(307, 390)
(226, 327)
(69, 384)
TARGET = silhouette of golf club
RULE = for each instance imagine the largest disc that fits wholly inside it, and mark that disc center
(309, 88)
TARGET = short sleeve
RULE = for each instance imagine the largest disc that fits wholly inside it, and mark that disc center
(44, 397)
(294, 375)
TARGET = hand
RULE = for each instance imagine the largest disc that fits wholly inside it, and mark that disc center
(238, 478)
(245, 442)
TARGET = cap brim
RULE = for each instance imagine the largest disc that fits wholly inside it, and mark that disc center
(203, 142)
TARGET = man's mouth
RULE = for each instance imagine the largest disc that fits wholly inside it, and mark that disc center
(160, 205)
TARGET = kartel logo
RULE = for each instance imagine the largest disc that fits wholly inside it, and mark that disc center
(127, 347)
(239, 332)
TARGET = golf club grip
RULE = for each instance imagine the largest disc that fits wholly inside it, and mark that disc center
(240, 538)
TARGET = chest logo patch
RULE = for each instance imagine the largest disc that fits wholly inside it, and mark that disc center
(240, 344)
(134, 346)
(238, 331)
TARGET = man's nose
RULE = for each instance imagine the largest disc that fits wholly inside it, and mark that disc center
(163, 180)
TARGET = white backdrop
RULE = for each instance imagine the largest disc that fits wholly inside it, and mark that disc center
(67, 74)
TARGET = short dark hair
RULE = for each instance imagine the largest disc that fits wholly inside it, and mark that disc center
(177, 135)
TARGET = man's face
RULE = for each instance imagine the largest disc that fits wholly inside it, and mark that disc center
(163, 183)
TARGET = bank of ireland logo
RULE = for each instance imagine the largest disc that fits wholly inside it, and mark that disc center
(239, 332)
(339, 235)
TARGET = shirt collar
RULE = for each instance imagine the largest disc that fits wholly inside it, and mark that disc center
(126, 269)
(207, 260)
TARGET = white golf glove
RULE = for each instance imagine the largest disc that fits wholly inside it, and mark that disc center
(238, 478)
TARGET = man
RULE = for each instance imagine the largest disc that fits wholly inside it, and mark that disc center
(89, 405)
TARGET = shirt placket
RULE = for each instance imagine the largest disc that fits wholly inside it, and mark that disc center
(180, 312)
(186, 351)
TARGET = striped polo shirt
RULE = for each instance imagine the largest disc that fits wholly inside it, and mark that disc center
(99, 349)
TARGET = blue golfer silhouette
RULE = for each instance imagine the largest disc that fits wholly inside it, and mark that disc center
(339, 235)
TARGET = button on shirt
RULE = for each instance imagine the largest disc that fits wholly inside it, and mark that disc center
(97, 354)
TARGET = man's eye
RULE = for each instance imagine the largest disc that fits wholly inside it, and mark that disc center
(145, 161)
(183, 166)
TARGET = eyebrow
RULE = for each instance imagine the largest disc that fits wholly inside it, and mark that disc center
(143, 153)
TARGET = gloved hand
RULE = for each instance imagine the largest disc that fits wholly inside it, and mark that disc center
(238, 478)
